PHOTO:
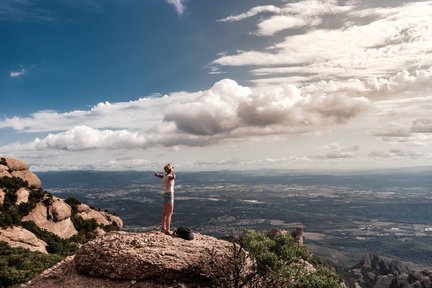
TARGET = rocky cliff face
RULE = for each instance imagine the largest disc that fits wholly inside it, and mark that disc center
(22, 200)
(377, 272)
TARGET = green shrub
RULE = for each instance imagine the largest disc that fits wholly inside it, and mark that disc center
(276, 263)
(55, 243)
(20, 265)
(73, 203)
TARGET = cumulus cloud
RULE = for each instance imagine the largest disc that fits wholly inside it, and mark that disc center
(228, 106)
(225, 112)
(85, 138)
(178, 4)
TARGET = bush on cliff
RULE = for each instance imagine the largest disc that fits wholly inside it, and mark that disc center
(258, 261)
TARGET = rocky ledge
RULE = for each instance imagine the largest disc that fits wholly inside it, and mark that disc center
(151, 259)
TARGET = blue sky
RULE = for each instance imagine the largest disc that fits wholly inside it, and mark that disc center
(115, 85)
(78, 53)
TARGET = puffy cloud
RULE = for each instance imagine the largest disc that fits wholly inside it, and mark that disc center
(225, 112)
(85, 138)
(228, 106)
(178, 4)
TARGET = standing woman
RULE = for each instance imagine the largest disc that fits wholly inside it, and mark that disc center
(168, 181)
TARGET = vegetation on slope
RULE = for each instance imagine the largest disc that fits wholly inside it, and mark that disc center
(258, 261)
(20, 265)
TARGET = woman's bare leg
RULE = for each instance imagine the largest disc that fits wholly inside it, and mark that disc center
(166, 217)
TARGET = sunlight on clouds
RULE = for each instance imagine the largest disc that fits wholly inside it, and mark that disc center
(363, 46)
(225, 112)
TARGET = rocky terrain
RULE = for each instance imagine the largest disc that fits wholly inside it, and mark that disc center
(151, 259)
(379, 272)
(48, 212)
(31, 218)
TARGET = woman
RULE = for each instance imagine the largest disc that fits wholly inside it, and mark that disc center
(168, 181)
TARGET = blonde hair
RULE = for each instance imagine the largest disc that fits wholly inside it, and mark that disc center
(168, 167)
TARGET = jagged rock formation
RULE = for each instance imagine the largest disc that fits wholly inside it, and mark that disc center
(150, 259)
(377, 272)
(20, 237)
(50, 213)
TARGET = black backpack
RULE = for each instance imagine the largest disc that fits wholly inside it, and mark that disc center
(183, 233)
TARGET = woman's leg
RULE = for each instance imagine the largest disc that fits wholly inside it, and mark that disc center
(166, 217)
(169, 208)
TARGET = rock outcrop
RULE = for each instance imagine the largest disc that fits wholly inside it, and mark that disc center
(48, 212)
(152, 255)
(41, 217)
(20, 237)
(150, 259)
(10, 167)
(101, 217)
(378, 272)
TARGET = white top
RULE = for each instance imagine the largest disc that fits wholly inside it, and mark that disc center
(168, 185)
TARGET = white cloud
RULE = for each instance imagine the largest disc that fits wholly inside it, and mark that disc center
(179, 5)
(17, 74)
(359, 47)
(278, 23)
(422, 126)
(336, 151)
(227, 112)
(397, 153)
(290, 15)
(85, 138)
(253, 12)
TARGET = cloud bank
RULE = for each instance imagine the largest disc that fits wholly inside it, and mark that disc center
(226, 111)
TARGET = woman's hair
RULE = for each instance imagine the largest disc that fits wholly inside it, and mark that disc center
(168, 167)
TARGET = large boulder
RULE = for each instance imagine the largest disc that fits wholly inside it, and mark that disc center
(59, 210)
(39, 215)
(15, 164)
(28, 176)
(22, 238)
(10, 167)
(150, 255)
(4, 171)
